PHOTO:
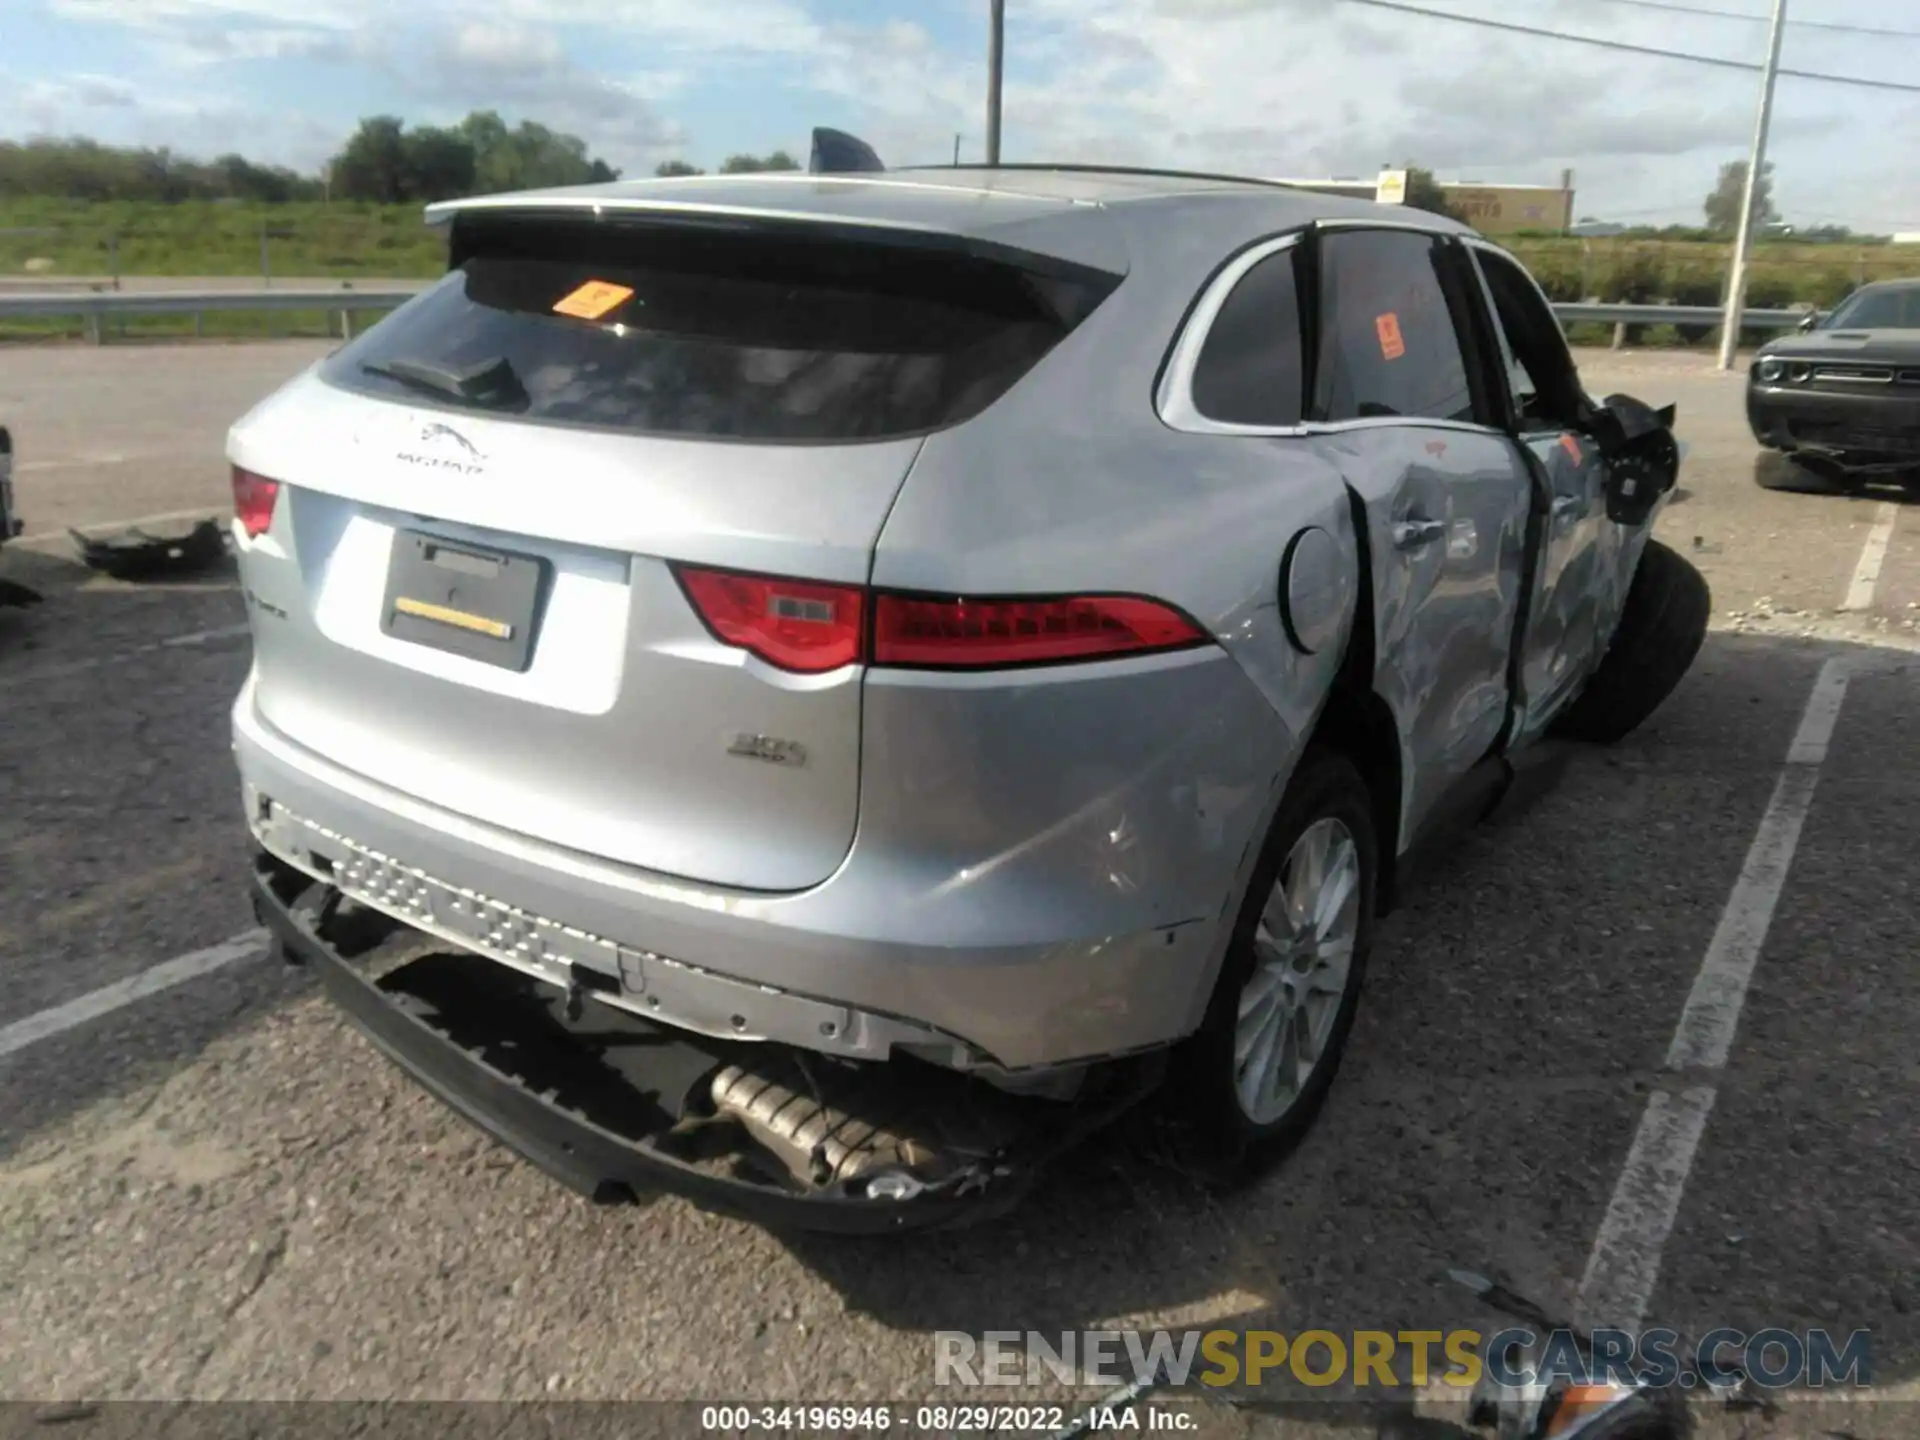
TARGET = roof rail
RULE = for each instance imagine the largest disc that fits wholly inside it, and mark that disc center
(1112, 170)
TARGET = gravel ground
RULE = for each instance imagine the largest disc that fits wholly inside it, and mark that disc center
(222, 1192)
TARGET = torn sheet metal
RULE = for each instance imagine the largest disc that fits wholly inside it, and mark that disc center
(137, 554)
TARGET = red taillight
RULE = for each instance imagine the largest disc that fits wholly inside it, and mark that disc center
(253, 499)
(795, 624)
(805, 626)
(949, 634)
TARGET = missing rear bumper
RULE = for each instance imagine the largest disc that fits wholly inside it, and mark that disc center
(618, 1107)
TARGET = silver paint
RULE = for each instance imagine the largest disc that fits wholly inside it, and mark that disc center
(1317, 582)
(1042, 865)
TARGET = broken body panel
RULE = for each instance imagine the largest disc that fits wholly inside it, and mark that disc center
(1025, 873)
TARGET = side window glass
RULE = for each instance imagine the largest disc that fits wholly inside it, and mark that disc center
(1539, 366)
(1388, 343)
(1520, 382)
(1251, 371)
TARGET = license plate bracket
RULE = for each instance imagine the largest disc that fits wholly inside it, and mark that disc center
(469, 600)
(1858, 438)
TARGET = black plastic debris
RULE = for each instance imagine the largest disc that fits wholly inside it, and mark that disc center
(13, 593)
(136, 554)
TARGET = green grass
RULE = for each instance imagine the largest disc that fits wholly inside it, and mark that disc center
(1686, 272)
(350, 241)
(390, 242)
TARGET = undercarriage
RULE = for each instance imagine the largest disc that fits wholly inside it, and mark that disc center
(619, 1107)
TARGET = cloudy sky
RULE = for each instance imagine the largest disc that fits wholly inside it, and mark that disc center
(1271, 87)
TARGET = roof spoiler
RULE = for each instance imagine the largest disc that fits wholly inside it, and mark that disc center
(837, 153)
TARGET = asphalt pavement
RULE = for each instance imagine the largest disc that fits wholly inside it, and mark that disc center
(214, 1189)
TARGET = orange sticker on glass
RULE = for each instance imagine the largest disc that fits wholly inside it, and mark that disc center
(594, 299)
(1572, 447)
(1391, 345)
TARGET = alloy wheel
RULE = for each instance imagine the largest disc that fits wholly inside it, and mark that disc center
(1303, 955)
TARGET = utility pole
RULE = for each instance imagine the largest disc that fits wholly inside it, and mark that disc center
(956, 151)
(1756, 164)
(996, 38)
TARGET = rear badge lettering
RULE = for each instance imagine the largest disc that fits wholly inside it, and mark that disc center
(441, 447)
(769, 748)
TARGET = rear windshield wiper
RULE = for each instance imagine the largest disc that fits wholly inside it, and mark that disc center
(491, 383)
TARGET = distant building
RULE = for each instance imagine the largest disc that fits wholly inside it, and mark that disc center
(1492, 209)
(1907, 237)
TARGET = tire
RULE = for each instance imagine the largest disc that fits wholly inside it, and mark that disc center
(1224, 1142)
(1661, 629)
(1778, 470)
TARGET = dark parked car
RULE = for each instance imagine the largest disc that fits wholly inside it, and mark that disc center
(1838, 404)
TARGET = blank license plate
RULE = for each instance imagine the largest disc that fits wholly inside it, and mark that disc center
(465, 599)
(1857, 439)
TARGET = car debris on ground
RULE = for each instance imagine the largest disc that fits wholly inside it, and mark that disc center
(138, 554)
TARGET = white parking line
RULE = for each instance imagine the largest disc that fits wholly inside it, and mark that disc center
(95, 1003)
(1624, 1265)
(1625, 1262)
(172, 642)
(1873, 554)
(1704, 1035)
(84, 462)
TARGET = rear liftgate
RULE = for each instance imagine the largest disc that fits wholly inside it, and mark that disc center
(618, 1108)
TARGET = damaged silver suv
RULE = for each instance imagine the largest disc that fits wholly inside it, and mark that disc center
(817, 691)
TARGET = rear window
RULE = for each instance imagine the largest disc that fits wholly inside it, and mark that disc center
(768, 335)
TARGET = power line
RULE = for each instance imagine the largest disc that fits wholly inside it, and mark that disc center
(1624, 47)
(1674, 9)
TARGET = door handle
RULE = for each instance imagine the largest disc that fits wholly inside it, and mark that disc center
(1567, 505)
(1412, 534)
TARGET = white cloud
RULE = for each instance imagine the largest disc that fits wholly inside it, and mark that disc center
(509, 48)
(1276, 87)
(164, 14)
(527, 73)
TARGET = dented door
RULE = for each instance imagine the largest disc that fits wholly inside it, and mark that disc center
(1576, 595)
(1446, 516)
(1446, 497)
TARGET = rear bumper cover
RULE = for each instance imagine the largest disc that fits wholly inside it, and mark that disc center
(535, 1119)
(1001, 957)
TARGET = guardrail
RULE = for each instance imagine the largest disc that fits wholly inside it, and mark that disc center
(1704, 317)
(1708, 315)
(95, 306)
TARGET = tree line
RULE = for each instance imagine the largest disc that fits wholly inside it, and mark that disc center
(79, 169)
(384, 161)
